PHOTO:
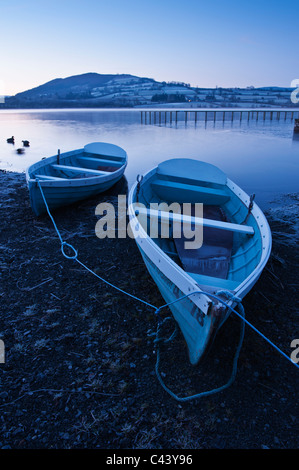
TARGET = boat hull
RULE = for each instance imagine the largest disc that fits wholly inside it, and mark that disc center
(199, 315)
(197, 328)
(57, 197)
(74, 176)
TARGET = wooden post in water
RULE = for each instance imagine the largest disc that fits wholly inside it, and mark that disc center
(176, 117)
(214, 116)
(271, 115)
(223, 116)
(206, 116)
(232, 117)
(264, 115)
(195, 117)
(170, 116)
(186, 113)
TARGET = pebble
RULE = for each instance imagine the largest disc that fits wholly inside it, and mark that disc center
(262, 411)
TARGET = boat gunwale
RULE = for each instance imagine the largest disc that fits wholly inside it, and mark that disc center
(68, 182)
(265, 235)
(186, 283)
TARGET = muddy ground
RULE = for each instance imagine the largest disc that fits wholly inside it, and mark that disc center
(79, 367)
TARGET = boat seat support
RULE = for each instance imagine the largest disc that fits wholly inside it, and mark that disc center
(184, 192)
(180, 218)
(100, 161)
(77, 169)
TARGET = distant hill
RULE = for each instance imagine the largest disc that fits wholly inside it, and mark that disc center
(89, 89)
(93, 90)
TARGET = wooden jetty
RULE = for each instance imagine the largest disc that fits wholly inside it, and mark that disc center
(169, 115)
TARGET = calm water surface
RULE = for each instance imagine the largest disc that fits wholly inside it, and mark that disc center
(260, 156)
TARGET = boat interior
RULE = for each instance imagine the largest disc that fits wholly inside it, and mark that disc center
(227, 255)
(78, 164)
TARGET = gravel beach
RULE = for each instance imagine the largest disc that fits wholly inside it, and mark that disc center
(79, 370)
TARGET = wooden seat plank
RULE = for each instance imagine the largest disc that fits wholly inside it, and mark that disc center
(77, 169)
(245, 229)
(48, 177)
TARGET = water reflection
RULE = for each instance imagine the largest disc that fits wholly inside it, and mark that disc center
(259, 155)
(296, 136)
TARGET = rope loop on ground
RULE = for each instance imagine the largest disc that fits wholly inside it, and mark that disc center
(158, 340)
(74, 256)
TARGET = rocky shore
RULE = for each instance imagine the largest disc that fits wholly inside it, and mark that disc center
(79, 368)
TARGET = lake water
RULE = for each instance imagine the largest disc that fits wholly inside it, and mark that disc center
(260, 156)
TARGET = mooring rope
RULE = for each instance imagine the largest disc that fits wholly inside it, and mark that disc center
(236, 299)
(217, 297)
(235, 361)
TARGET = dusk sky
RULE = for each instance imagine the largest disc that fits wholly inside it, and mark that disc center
(204, 43)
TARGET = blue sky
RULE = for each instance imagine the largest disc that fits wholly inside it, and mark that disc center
(204, 43)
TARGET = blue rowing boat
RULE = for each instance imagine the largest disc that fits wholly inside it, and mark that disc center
(234, 247)
(72, 176)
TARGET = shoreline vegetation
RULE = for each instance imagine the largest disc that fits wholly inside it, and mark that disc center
(79, 367)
